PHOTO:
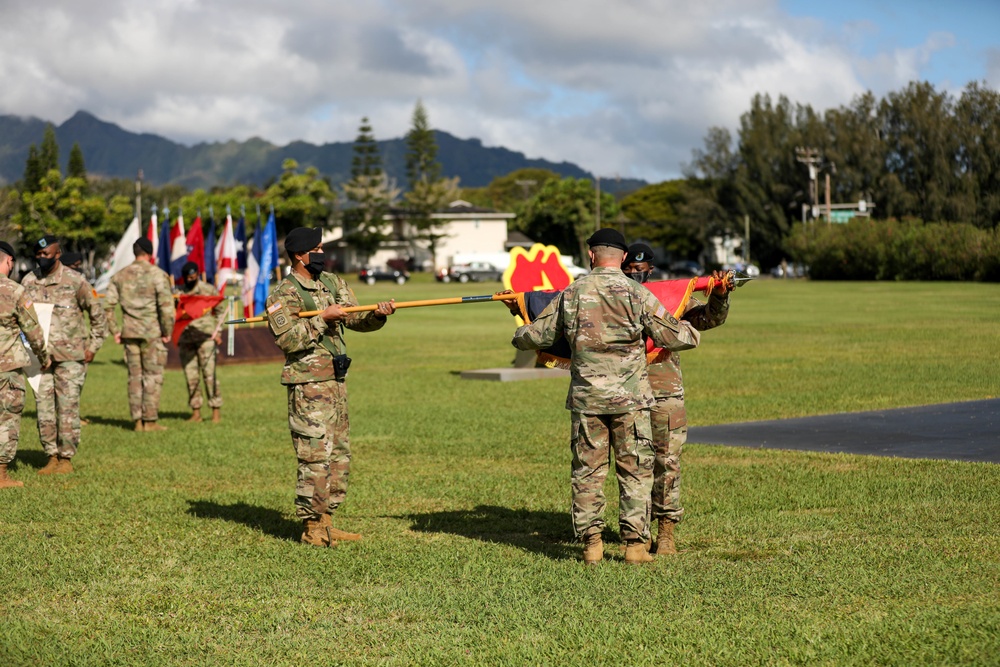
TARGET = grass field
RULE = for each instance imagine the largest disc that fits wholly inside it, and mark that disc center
(181, 547)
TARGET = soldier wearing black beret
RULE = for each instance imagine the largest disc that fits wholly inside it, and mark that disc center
(315, 370)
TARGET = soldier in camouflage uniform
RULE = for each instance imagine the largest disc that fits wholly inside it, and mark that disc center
(143, 291)
(603, 317)
(17, 314)
(197, 346)
(669, 417)
(69, 346)
(314, 373)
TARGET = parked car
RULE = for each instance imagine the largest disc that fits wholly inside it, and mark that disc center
(473, 271)
(685, 269)
(372, 275)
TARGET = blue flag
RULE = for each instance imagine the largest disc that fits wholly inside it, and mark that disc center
(210, 253)
(241, 243)
(257, 241)
(268, 262)
(163, 261)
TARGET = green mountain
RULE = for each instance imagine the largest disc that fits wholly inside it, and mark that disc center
(112, 152)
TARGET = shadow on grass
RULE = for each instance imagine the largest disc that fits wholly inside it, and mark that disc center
(127, 424)
(546, 533)
(32, 457)
(266, 520)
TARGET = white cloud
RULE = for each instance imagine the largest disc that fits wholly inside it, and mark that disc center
(627, 87)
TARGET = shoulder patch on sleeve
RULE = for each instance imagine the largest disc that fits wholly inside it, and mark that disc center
(661, 311)
(28, 303)
(279, 318)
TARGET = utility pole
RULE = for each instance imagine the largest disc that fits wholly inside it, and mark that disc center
(597, 219)
(138, 197)
(811, 158)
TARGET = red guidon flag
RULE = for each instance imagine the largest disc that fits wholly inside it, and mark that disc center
(673, 294)
(189, 308)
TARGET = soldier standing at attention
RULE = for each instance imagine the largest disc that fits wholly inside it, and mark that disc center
(668, 416)
(197, 346)
(69, 346)
(603, 317)
(315, 369)
(17, 314)
(143, 292)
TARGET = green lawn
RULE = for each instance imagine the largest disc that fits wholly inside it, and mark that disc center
(181, 547)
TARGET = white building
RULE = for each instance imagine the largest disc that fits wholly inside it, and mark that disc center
(463, 229)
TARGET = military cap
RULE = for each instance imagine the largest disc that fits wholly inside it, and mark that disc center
(144, 245)
(71, 258)
(638, 252)
(44, 242)
(609, 237)
(188, 268)
(7, 248)
(303, 239)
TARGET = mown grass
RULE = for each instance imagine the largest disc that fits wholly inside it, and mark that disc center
(180, 547)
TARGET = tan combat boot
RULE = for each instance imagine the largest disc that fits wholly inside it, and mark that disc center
(593, 549)
(336, 534)
(5, 481)
(314, 532)
(50, 467)
(636, 554)
(64, 467)
(216, 417)
(195, 415)
(138, 426)
(665, 537)
(153, 426)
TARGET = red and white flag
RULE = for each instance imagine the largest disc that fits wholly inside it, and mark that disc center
(225, 255)
(178, 247)
(196, 245)
(153, 234)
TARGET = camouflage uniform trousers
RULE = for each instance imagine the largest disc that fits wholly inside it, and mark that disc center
(11, 405)
(145, 360)
(317, 419)
(198, 360)
(58, 404)
(669, 435)
(595, 438)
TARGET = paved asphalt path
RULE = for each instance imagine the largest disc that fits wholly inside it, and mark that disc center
(968, 431)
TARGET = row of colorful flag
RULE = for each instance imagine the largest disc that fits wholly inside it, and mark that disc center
(218, 260)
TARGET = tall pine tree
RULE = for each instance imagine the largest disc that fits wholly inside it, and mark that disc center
(369, 194)
(32, 171)
(428, 191)
(76, 168)
(48, 153)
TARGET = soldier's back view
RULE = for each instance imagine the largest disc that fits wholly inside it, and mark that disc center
(143, 292)
(16, 315)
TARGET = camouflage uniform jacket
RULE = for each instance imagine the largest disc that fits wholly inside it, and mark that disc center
(71, 295)
(207, 323)
(143, 291)
(306, 359)
(603, 317)
(17, 314)
(665, 374)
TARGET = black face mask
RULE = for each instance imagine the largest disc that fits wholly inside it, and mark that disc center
(189, 285)
(316, 263)
(45, 264)
(639, 276)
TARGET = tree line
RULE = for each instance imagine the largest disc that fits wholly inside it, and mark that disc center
(918, 155)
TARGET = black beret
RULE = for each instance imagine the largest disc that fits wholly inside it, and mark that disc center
(44, 242)
(7, 248)
(608, 237)
(144, 245)
(189, 267)
(638, 252)
(303, 239)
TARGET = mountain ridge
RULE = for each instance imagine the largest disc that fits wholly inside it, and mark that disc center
(113, 152)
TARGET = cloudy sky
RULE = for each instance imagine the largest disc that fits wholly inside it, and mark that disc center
(620, 87)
